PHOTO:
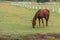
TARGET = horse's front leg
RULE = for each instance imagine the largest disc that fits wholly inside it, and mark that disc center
(42, 22)
(39, 21)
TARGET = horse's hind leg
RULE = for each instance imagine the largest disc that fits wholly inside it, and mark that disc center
(47, 18)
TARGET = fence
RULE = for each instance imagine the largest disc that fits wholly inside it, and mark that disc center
(34, 5)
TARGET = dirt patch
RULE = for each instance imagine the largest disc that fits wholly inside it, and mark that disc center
(42, 37)
(10, 37)
(31, 37)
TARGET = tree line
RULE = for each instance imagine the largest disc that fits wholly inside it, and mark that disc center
(32, 0)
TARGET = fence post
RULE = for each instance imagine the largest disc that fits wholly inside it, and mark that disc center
(53, 9)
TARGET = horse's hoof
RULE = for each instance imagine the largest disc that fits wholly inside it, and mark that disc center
(33, 27)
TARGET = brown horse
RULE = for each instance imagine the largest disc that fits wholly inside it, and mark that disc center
(40, 14)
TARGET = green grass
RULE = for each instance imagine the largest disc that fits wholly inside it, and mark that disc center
(17, 20)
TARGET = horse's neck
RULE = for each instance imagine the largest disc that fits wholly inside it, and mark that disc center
(34, 19)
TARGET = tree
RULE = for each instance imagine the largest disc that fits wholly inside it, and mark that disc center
(43, 1)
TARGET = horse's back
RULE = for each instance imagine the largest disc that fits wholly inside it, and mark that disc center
(46, 12)
(43, 12)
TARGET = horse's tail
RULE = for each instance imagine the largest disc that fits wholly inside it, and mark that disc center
(47, 17)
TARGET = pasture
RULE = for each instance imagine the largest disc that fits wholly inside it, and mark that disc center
(17, 20)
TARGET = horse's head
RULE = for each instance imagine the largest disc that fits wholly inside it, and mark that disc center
(33, 23)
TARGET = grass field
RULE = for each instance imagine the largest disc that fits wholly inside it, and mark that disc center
(17, 20)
